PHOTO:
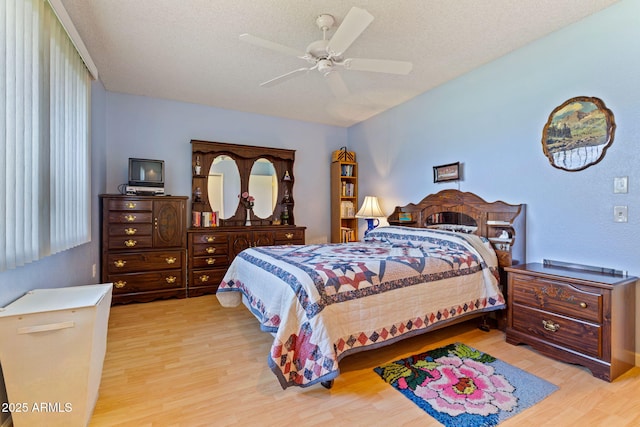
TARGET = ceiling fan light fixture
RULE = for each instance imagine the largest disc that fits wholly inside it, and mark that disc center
(325, 66)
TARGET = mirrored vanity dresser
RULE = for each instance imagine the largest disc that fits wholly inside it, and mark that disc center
(242, 196)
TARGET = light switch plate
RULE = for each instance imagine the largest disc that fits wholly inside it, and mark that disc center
(620, 213)
(620, 184)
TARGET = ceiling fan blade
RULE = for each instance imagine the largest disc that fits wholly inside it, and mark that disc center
(356, 21)
(257, 41)
(378, 65)
(337, 85)
(276, 80)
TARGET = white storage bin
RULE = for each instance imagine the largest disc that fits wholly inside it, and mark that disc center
(52, 348)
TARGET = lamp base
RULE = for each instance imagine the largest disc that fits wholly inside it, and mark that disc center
(371, 225)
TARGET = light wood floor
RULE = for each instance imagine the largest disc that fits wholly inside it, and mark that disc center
(191, 362)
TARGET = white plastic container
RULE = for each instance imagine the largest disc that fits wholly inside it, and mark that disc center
(52, 348)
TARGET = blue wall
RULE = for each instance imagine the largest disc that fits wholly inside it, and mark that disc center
(159, 129)
(491, 120)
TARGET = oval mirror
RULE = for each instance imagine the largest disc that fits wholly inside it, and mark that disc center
(263, 186)
(224, 186)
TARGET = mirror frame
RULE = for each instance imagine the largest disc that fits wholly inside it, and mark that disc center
(204, 152)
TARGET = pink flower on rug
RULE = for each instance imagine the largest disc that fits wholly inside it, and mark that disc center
(466, 386)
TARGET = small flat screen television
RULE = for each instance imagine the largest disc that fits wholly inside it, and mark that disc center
(146, 173)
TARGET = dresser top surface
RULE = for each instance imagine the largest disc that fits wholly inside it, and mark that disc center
(571, 273)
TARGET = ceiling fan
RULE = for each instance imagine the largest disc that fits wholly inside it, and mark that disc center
(326, 55)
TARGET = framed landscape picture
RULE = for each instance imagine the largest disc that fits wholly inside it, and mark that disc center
(578, 133)
(450, 172)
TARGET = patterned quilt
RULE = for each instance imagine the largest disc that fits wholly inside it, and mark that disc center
(323, 302)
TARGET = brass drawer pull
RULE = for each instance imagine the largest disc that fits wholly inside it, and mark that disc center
(130, 218)
(211, 261)
(130, 231)
(119, 263)
(131, 205)
(204, 278)
(289, 235)
(211, 250)
(120, 284)
(583, 304)
(130, 243)
(170, 260)
(550, 326)
(171, 279)
(210, 239)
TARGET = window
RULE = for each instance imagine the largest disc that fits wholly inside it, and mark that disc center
(45, 90)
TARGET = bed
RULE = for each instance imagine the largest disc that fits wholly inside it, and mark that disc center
(435, 264)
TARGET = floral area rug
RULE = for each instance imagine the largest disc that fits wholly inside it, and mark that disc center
(461, 386)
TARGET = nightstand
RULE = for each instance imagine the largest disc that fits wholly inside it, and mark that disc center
(574, 315)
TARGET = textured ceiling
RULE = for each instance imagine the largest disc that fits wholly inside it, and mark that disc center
(189, 50)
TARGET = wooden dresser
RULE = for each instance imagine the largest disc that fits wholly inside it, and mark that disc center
(211, 250)
(143, 240)
(573, 315)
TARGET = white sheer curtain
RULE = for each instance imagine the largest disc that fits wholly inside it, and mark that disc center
(44, 126)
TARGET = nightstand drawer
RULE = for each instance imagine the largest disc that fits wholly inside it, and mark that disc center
(559, 297)
(580, 336)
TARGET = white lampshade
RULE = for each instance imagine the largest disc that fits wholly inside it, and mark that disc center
(370, 208)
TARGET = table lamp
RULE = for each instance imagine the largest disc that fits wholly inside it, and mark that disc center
(370, 210)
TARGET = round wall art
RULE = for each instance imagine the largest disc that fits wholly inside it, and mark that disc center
(578, 133)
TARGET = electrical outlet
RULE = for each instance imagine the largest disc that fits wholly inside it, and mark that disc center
(94, 271)
(620, 213)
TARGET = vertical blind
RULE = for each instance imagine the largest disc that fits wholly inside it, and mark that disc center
(44, 125)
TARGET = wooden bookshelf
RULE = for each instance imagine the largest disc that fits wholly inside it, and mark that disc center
(344, 201)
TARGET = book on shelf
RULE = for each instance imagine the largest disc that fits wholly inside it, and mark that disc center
(348, 189)
(347, 234)
(196, 219)
(346, 170)
(347, 209)
(204, 219)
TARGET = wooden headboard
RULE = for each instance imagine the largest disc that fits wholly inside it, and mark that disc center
(456, 207)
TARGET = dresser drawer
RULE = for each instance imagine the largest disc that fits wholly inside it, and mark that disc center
(209, 238)
(211, 261)
(580, 336)
(140, 282)
(130, 242)
(115, 217)
(210, 249)
(129, 205)
(557, 296)
(143, 261)
(287, 237)
(206, 277)
(130, 229)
